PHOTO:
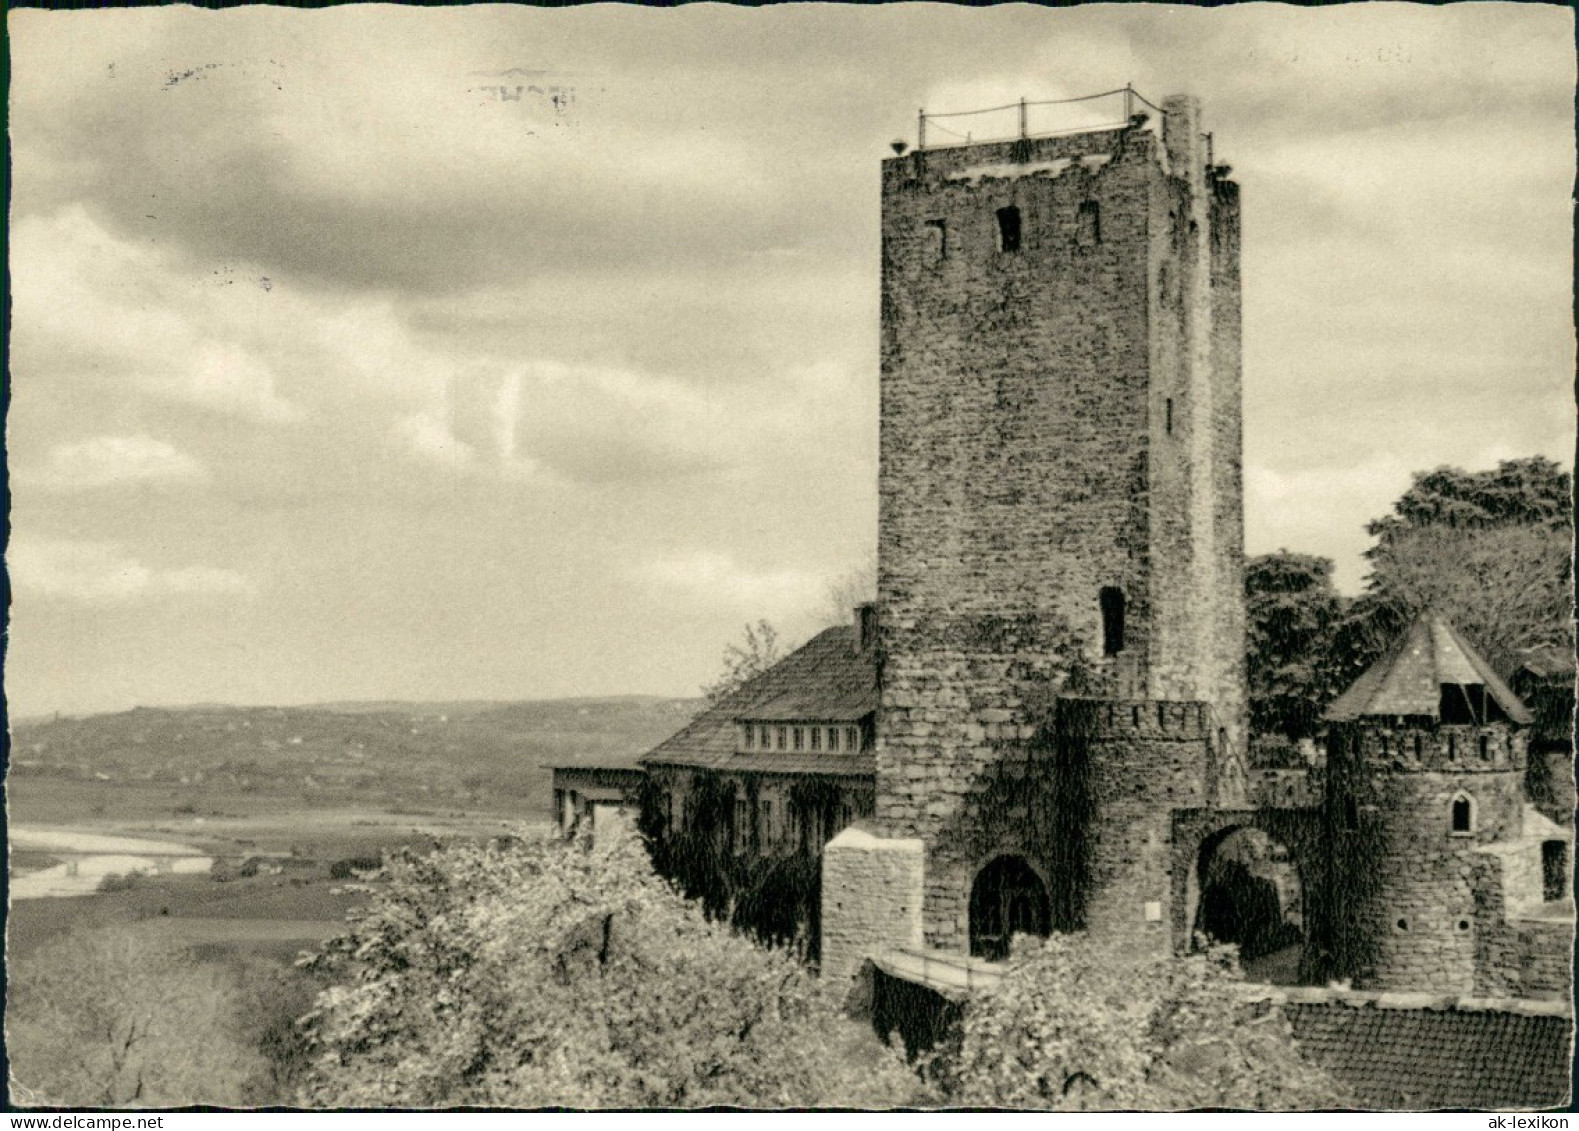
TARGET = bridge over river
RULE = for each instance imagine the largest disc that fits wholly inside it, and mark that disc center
(85, 858)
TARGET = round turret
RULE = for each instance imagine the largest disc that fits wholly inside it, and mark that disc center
(1425, 767)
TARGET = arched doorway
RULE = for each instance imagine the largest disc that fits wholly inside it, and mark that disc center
(1007, 899)
(1251, 896)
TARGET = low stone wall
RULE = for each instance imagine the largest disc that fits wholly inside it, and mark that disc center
(872, 889)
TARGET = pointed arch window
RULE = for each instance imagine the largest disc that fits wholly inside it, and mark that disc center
(1463, 814)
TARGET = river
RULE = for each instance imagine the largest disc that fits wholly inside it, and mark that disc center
(92, 856)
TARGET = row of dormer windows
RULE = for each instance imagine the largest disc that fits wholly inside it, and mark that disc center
(791, 737)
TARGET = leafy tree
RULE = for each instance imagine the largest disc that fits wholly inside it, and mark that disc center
(1292, 610)
(121, 1018)
(743, 662)
(1519, 492)
(1490, 550)
(855, 586)
(545, 974)
(1076, 1026)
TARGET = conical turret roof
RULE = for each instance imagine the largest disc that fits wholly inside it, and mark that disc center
(1408, 679)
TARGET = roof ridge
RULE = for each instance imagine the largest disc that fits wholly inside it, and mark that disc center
(1436, 1003)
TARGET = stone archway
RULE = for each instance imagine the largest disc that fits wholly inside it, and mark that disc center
(1250, 893)
(1007, 898)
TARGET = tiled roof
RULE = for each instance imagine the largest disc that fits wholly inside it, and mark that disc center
(828, 679)
(1409, 678)
(1422, 1058)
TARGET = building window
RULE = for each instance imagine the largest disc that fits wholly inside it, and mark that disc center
(816, 738)
(937, 239)
(833, 738)
(852, 739)
(1088, 232)
(742, 823)
(1351, 815)
(1168, 413)
(800, 738)
(1554, 870)
(1485, 748)
(764, 738)
(783, 737)
(751, 736)
(1419, 748)
(1463, 815)
(1009, 229)
(1112, 602)
(765, 809)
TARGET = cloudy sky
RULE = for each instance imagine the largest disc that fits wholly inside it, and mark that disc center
(502, 352)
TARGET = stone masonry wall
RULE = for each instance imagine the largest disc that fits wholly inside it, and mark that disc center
(1545, 951)
(1012, 480)
(1420, 917)
(1050, 427)
(871, 900)
(1145, 761)
(1420, 906)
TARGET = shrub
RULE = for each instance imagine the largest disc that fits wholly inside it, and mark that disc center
(553, 974)
(115, 881)
(344, 869)
(1075, 1025)
(117, 1017)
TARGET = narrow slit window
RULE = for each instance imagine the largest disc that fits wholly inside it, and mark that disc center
(1554, 870)
(1168, 413)
(937, 239)
(1009, 229)
(1112, 602)
(1463, 814)
(1089, 224)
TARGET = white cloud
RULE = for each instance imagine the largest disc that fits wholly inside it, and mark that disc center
(104, 573)
(717, 579)
(225, 376)
(111, 461)
(110, 305)
(426, 435)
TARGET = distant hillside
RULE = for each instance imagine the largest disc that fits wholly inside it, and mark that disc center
(393, 753)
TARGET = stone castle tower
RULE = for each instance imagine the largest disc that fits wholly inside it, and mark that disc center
(1424, 816)
(1060, 566)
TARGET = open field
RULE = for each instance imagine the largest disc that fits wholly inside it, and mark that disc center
(280, 796)
(259, 913)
